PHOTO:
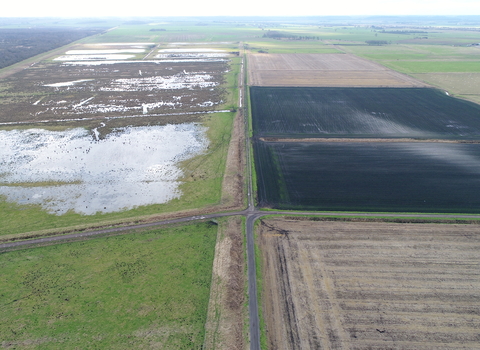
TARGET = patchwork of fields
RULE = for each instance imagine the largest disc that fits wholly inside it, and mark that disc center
(354, 285)
(376, 174)
(334, 137)
(135, 125)
(322, 70)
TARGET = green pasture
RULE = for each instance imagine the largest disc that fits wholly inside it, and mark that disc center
(143, 290)
(202, 185)
(414, 52)
(231, 84)
(180, 32)
(434, 66)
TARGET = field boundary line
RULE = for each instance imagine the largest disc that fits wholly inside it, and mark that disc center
(349, 139)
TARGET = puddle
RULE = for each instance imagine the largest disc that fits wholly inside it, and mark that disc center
(206, 43)
(191, 50)
(183, 81)
(130, 167)
(191, 55)
(123, 44)
(67, 83)
(94, 57)
(98, 63)
(103, 52)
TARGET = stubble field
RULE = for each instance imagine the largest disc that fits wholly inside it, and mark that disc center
(322, 70)
(351, 285)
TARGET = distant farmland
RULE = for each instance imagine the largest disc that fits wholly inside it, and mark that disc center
(367, 112)
(322, 70)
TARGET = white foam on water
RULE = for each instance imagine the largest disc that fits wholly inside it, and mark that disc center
(131, 167)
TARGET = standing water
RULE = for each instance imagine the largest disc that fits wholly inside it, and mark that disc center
(74, 170)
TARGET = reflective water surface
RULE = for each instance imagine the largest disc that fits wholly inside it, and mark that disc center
(74, 170)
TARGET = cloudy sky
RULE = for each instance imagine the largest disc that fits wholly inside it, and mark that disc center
(92, 8)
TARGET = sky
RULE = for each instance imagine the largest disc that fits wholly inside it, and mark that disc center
(149, 8)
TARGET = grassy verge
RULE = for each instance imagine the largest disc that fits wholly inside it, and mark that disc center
(259, 276)
(201, 188)
(248, 109)
(231, 85)
(132, 291)
(246, 324)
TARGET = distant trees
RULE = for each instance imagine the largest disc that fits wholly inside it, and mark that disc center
(376, 42)
(275, 34)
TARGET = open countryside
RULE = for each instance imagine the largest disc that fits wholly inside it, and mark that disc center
(160, 154)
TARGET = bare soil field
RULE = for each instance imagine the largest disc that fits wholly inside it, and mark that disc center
(370, 285)
(322, 70)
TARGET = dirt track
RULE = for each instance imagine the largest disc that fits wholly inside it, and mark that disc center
(336, 70)
(334, 285)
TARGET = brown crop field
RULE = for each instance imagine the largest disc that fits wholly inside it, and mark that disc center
(334, 70)
(370, 285)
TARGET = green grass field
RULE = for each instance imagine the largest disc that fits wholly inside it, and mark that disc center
(143, 290)
(434, 66)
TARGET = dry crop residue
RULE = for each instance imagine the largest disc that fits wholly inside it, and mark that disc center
(226, 311)
(323, 70)
(233, 181)
(351, 285)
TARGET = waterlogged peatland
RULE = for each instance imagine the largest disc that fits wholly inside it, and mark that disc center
(76, 170)
(105, 81)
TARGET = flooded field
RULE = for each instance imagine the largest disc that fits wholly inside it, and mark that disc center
(114, 127)
(110, 81)
(74, 170)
